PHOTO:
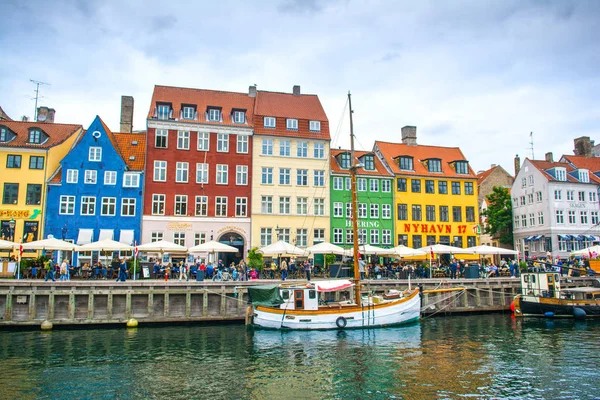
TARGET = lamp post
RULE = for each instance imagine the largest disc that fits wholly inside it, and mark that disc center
(278, 232)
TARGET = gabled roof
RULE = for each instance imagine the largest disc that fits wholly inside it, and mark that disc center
(56, 177)
(380, 169)
(482, 176)
(543, 166)
(127, 148)
(391, 151)
(288, 105)
(4, 116)
(202, 99)
(580, 162)
(57, 133)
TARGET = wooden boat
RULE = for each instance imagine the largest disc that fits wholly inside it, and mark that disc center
(542, 296)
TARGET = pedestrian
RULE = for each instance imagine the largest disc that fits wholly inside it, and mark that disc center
(63, 270)
(453, 268)
(167, 272)
(307, 270)
(361, 268)
(49, 272)
(284, 270)
(122, 271)
(183, 271)
(272, 269)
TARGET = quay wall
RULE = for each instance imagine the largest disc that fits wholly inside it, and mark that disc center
(27, 302)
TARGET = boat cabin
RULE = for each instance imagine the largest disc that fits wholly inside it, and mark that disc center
(540, 284)
(299, 298)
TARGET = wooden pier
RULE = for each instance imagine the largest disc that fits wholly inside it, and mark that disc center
(81, 302)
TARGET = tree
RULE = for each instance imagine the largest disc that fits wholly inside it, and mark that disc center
(499, 215)
(255, 260)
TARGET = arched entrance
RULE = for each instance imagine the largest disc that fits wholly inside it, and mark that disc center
(232, 239)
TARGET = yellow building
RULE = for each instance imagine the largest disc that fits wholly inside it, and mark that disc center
(435, 193)
(29, 153)
(290, 164)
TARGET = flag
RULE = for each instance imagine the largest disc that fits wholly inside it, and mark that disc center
(590, 254)
(432, 255)
(136, 251)
(20, 249)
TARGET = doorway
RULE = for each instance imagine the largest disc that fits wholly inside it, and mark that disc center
(235, 240)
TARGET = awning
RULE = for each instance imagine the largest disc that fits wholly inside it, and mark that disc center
(538, 237)
(565, 237)
(590, 237)
(85, 236)
(529, 238)
(578, 237)
(106, 234)
(126, 237)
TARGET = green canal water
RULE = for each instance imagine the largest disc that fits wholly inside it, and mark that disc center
(478, 356)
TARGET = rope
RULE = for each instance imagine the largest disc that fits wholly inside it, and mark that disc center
(456, 297)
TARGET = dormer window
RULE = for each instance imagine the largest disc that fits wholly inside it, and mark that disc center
(269, 122)
(292, 124)
(239, 117)
(406, 163)
(35, 136)
(314, 126)
(345, 160)
(188, 112)
(214, 114)
(3, 134)
(584, 176)
(462, 167)
(561, 174)
(369, 162)
(434, 165)
(163, 111)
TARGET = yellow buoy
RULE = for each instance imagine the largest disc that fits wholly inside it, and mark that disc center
(132, 323)
(47, 325)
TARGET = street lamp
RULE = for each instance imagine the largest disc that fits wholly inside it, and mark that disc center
(278, 232)
(11, 225)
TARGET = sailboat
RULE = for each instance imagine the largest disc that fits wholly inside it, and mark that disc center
(300, 306)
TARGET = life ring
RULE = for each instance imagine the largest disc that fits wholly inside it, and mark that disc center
(341, 322)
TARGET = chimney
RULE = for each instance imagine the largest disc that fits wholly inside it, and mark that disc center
(493, 166)
(583, 146)
(45, 114)
(126, 114)
(25, 118)
(409, 135)
(296, 90)
(549, 157)
(252, 91)
(517, 165)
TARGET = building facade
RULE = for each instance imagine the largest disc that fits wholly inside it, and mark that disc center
(29, 153)
(290, 189)
(435, 193)
(486, 181)
(375, 200)
(199, 168)
(96, 192)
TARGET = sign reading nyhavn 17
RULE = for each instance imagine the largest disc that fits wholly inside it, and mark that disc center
(434, 228)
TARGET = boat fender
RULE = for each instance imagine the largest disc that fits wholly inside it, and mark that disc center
(341, 322)
(512, 306)
(549, 314)
(579, 313)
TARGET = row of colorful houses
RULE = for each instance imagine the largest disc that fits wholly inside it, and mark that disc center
(245, 169)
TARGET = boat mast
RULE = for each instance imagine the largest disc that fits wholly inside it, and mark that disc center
(353, 167)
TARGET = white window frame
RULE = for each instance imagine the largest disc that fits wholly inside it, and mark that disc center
(291, 124)
(221, 206)
(266, 204)
(374, 210)
(266, 148)
(95, 154)
(68, 202)
(266, 175)
(301, 177)
(241, 206)
(87, 202)
(109, 202)
(214, 115)
(160, 170)
(239, 117)
(386, 236)
(386, 211)
(203, 141)
(338, 183)
(269, 122)
(338, 235)
(183, 140)
(188, 113)
(161, 133)
(181, 172)
(72, 176)
(302, 205)
(319, 206)
(241, 175)
(285, 176)
(222, 174)
(284, 205)
(242, 144)
(201, 206)
(374, 185)
(285, 148)
(314, 126)
(202, 170)
(374, 236)
(156, 236)
(131, 179)
(319, 178)
(180, 199)
(222, 142)
(90, 176)
(128, 204)
(361, 184)
(110, 177)
(159, 199)
(319, 151)
(338, 209)
(302, 149)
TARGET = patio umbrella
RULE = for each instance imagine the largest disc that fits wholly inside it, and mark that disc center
(368, 249)
(50, 244)
(404, 251)
(587, 251)
(7, 245)
(444, 249)
(106, 245)
(213, 247)
(163, 246)
(325, 248)
(280, 248)
(489, 250)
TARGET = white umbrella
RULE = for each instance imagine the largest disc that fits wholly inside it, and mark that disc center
(587, 251)
(490, 250)
(213, 247)
(281, 248)
(444, 249)
(404, 251)
(163, 246)
(105, 245)
(50, 244)
(369, 249)
(7, 245)
(325, 248)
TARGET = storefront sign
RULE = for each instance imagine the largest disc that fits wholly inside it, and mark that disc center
(363, 224)
(5, 232)
(30, 231)
(433, 228)
(577, 205)
(179, 226)
(15, 213)
(231, 228)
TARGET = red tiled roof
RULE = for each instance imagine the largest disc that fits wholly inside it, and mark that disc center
(391, 151)
(202, 98)
(543, 165)
(482, 176)
(590, 163)
(57, 176)
(128, 149)
(57, 133)
(380, 169)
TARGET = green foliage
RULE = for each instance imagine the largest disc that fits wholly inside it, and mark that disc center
(499, 215)
(522, 266)
(330, 259)
(255, 260)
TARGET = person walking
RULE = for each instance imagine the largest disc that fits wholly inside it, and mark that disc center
(63, 270)
(307, 270)
(167, 272)
(49, 271)
(183, 271)
(284, 270)
(122, 271)
(361, 268)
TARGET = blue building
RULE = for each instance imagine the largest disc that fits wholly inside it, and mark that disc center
(96, 193)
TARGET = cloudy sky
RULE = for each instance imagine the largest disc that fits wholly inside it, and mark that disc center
(480, 75)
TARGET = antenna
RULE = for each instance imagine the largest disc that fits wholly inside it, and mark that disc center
(37, 93)
(531, 144)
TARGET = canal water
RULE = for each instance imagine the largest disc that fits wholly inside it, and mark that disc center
(478, 356)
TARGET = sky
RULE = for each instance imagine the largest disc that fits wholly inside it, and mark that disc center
(476, 74)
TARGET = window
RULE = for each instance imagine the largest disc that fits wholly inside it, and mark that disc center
(239, 117)
(302, 150)
(132, 179)
(223, 142)
(266, 205)
(163, 111)
(374, 236)
(560, 218)
(302, 237)
(201, 173)
(374, 210)
(517, 222)
(443, 213)
(73, 176)
(348, 183)
(455, 187)
(386, 211)
(345, 160)
(349, 236)
(417, 241)
(3, 134)
(267, 176)
(241, 206)
(434, 165)
(386, 236)
(592, 196)
(181, 204)
(538, 196)
(319, 178)
(584, 175)
(369, 162)
(416, 212)
(34, 194)
(13, 161)
(267, 147)
(284, 205)
(269, 122)
(292, 124)
(401, 182)
(183, 140)
(362, 236)
(348, 210)
(179, 238)
(35, 136)
(319, 205)
(94, 154)
(561, 174)
(319, 151)
(531, 219)
(241, 175)
(402, 212)
(338, 236)
(265, 236)
(522, 199)
(524, 221)
(462, 167)
(581, 196)
(242, 144)
(110, 177)
(214, 114)
(430, 240)
(302, 177)
(374, 185)
(386, 186)
(222, 170)
(90, 176)
(302, 205)
(456, 214)
(443, 187)
(201, 206)
(181, 172)
(530, 198)
(67, 205)
(158, 204)
(284, 148)
(221, 206)
(160, 171)
(338, 183)
(430, 213)
(284, 176)
(88, 205)
(188, 113)
(314, 126)
(109, 206)
(429, 186)
(36, 162)
(583, 217)
(541, 218)
(156, 236)
(203, 141)
(415, 185)
(338, 209)
(362, 210)
(361, 184)
(557, 194)
(470, 214)
(161, 139)
(406, 163)
(128, 207)
(469, 188)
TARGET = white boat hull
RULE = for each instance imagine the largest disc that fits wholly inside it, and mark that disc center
(394, 312)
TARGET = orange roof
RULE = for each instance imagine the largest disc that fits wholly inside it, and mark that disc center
(420, 153)
(590, 163)
(482, 176)
(336, 169)
(56, 178)
(202, 99)
(543, 165)
(57, 133)
(128, 149)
